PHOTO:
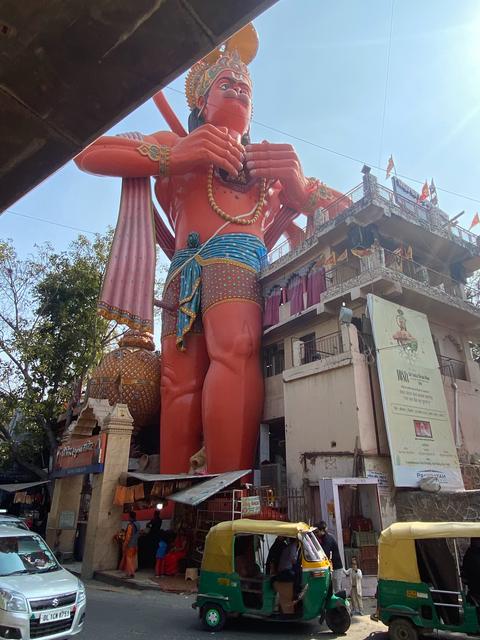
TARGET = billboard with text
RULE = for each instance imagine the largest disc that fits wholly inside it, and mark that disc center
(418, 425)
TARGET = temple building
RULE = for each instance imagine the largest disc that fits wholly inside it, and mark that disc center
(332, 424)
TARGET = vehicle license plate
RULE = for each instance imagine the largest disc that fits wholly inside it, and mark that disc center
(54, 616)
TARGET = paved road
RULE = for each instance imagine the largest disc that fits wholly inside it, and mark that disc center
(121, 614)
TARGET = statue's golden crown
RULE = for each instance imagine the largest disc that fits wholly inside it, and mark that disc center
(233, 55)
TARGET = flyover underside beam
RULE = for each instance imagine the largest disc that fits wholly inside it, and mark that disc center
(70, 69)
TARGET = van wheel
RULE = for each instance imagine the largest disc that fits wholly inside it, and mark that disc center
(213, 617)
(402, 629)
(338, 620)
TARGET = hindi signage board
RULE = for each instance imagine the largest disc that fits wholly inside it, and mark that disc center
(251, 506)
(82, 455)
(418, 425)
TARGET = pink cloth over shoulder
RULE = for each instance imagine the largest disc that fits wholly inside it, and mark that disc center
(128, 284)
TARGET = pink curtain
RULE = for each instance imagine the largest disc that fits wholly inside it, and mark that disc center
(295, 295)
(272, 309)
(316, 285)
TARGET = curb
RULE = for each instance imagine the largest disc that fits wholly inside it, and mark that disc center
(133, 584)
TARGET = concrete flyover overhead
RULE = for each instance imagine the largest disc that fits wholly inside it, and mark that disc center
(70, 69)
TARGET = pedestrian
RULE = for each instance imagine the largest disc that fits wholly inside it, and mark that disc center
(177, 552)
(355, 575)
(160, 558)
(130, 547)
(471, 569)
(330, 547)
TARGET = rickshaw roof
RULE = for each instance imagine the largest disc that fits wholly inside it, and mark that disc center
(397, 556)
(272, 527)
(423, 530)
(218, 552)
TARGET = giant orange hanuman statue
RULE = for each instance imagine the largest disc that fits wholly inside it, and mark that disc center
(228, 201)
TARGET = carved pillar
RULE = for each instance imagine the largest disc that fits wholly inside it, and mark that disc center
(104, 518)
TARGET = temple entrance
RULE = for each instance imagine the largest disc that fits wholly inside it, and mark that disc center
(82, 519)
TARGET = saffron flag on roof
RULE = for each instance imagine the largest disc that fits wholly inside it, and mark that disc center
(390, 167)
(425, 192)
(475, 221)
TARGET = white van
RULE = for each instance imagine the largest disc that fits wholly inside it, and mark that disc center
(38, 599)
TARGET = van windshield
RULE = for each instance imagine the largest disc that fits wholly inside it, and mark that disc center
(25, 554)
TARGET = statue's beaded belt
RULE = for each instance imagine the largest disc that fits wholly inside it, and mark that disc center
(223, 269)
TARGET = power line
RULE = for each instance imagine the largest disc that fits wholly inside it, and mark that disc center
(346, 155)
(56, 224)
(387, 76)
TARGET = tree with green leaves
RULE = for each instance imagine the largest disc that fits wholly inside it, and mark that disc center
(50, 339)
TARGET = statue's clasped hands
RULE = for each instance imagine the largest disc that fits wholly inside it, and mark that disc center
(205, 146)
(278, 162)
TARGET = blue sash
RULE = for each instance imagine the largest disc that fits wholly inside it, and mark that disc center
(241, 249)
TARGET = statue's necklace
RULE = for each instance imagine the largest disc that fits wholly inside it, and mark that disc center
(248, 218)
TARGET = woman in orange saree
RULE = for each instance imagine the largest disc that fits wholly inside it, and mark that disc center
(130, 547)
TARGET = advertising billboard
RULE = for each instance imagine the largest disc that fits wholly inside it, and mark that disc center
(82, 455)
(418, 425)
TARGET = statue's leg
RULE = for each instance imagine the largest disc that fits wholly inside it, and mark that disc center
(233, 389)
(183, 373)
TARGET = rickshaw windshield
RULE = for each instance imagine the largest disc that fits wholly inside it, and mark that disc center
(312, 550)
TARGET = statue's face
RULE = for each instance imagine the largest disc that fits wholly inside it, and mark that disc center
(229, 103)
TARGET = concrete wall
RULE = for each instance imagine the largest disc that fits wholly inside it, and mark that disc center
(320, 413)
(274, 405)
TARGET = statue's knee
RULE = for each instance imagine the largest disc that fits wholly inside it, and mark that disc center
(240, 345)
(174, 383)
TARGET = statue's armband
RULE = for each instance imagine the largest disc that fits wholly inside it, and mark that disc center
(157, 153)
(318, 196)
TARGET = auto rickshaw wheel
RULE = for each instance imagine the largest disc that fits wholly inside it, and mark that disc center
(213, 617)
(402, 629)
(338, 620)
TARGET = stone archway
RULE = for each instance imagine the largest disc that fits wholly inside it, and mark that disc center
(115, 424)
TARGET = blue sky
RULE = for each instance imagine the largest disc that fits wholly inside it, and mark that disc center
(320, 74)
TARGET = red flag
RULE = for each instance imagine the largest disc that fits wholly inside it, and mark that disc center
(475, 221)
(425, 192)
(390, 167)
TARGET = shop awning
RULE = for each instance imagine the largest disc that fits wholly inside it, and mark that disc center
(159, 477)
(13, 488)
(201, 492)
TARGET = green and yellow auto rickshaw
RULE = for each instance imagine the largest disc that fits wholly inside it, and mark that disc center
(420, 582)
(240, 575)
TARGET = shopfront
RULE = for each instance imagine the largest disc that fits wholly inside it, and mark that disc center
(351, 509)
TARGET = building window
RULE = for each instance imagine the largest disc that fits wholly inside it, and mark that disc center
(273, 359)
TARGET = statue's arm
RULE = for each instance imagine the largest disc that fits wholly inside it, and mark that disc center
(124, 157)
